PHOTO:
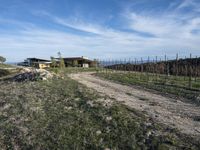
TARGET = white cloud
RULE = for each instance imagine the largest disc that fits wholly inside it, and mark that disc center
(172, 29)
(45, 43)
(173, 33)
(79, 25)
(164, 26)
(188, 3)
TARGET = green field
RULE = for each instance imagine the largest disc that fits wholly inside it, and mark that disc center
(176, 85)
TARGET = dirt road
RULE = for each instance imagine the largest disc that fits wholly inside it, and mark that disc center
(174, 113)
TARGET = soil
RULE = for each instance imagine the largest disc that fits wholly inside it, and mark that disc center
(166, 110)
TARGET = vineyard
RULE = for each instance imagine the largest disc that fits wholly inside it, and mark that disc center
(181, 67)
(179, 77)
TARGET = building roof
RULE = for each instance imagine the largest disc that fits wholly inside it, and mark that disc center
(37, 59)
(77, 58)
(42, 62)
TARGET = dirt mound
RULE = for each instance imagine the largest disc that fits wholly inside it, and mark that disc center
(30, 74)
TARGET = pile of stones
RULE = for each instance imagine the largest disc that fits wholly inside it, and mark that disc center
(30, 74)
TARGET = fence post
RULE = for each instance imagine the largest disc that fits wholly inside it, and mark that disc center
(114, 65)
(166, 70)
(129, 66)
(117, 65)
(97, 65)
(141, 64)
(147, 69)
(156, 67)
(135, 66)
(196, 69)
(104, 65)
(177, 69)
(186, 72)
(190, 72)
(124, 64)
(153, 69)
(132, 65)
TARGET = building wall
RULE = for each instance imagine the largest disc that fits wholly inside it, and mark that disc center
(42, 66)
(80, 63)
(85, 65)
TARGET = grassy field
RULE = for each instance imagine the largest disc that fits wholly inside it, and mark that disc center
(176, 85)
(62, 114)
(5, 66)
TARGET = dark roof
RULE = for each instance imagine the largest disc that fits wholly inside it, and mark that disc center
(42, 62)
(37, 59)
(76, 58)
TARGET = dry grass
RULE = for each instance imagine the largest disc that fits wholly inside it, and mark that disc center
(62, 114)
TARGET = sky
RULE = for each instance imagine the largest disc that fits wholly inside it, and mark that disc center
(101, 29)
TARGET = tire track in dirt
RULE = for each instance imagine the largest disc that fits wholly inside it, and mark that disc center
(174, 113)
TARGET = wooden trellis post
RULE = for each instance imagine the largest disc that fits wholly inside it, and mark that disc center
(190, 72)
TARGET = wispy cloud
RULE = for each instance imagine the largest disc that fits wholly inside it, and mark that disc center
(172, 32)
(74, 23)
(164, 26)
(189, 3)
(79, 25)
(171, 24)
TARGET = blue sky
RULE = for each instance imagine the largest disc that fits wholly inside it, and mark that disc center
(104, 29)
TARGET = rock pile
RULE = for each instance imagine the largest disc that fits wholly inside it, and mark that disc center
(30, 74)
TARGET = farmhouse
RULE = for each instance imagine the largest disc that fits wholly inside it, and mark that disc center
(69, 62)
(36, 62)
(79, 62)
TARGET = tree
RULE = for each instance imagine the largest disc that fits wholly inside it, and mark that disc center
(59, 55)
(2, 59)
(53, 62)
(62, 62)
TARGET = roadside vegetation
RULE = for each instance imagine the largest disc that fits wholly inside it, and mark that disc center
(7, 70)
(175, 85)
(63, 114)
(5, 66)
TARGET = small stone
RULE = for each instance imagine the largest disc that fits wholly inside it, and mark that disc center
(68, 108)
(108, 118)
(98, 132)
(90, 103)
(149, 133)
